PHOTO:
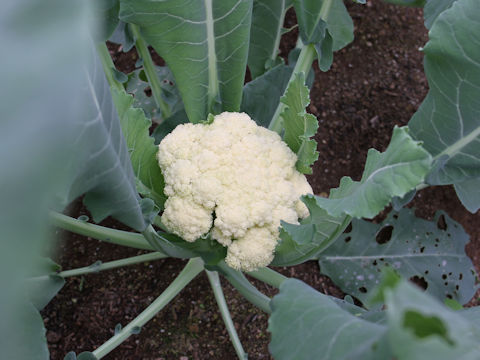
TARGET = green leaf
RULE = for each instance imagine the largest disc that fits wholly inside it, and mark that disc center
(299, 126)
(326, 24)
(138, 86)
(394, 172)
(44, 283)
(433, 9)
(103, 172)
(300, 243)
(141, 147)
(448, 121)
(265, 34)
(422, 328)
(167, 126)
(412, 246)
(105, 13)
(306, 324)
(204, 43)
(262, 95)
(35, 147)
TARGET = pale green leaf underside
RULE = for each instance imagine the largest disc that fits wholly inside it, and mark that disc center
(104, 172)
(306, 324)
(141, 147)
(267, 23)
(204, 43)
(416, 247)
(299, 126)
(394, 172)
(448, 121)
(422, 328)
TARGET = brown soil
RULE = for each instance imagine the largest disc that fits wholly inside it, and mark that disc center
(374, 84)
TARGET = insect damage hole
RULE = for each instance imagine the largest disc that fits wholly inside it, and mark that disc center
(419, 281)
(441, 223)
(148, 91)
(384, 235)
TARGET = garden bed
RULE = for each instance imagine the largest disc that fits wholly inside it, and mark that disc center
(375, 83)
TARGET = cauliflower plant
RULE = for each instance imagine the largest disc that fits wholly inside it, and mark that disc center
(238, 177)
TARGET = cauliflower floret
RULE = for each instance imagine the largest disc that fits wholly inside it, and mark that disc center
(244, 173)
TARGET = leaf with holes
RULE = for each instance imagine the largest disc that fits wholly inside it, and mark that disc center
(448, 121)
(306, 324)
(431, 253)
(421, 327)
(204, 43)
(138, 86)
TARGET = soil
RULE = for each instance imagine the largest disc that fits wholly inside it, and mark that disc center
(375, 83)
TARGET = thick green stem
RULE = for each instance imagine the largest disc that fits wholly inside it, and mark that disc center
(101, 233)
(250, 292)
(304, 63)
(108, 66)
(189, 272)
(227, 319)
(149, 68)
(112, 264)
(269, 276)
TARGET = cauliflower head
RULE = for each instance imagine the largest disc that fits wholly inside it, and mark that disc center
(234, 179)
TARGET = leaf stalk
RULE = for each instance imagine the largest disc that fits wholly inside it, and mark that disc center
(227, 319)
(189, 272)
(149, 68)
(119, 237)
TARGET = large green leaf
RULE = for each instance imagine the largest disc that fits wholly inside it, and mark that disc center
(299, 126)
(35, 147)
(265, 34)
(103, 170)
(433, 8)
(306, 324)
(326, 24)
(135, 126)
(299, 243)
(412, 246)
(205, 44)
(394, 172)
(422, 328)
(448, 121)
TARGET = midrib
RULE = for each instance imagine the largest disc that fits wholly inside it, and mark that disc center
(212, 57)
(456, 147)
